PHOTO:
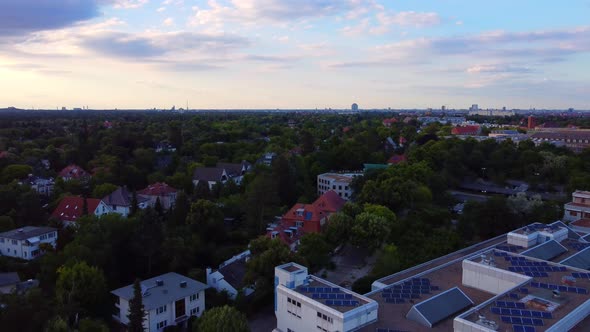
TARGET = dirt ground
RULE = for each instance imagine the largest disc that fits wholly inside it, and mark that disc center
(351, 264)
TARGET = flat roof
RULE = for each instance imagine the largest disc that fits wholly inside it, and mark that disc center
(442, 279)
(344, 177)
(536, 294)
(331, 295)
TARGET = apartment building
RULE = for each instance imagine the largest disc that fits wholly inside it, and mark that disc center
(338, 182)
(535, 278)
(25, 242)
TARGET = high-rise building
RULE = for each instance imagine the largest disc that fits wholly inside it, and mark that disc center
(532, 123)
(355, 107)
(443, 108)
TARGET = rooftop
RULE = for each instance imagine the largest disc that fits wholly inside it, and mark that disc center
(170, 290)
(157, 189)
(342, 177)
(331, 295)
(71, 208)
(26, 232)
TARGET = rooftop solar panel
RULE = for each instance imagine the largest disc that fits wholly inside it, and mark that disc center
(538, 322)
(348, 296)
(329, 302)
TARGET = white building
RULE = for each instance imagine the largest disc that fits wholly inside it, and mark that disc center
(307, 303)
(229, 276)
(338, 182)
(168, 299)
(24, 242)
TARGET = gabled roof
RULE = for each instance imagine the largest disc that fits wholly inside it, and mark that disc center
(26, 232)
(234, 273)
(546, 251)
(329, 202)
(439, 307)
(70, 208)
(465, 130)
(282, 233)
(208, 174)
(122, 197)
(234, 169)
(74, 172)
(157, 189)
(157, 296)
(9, 278)
(306, 212)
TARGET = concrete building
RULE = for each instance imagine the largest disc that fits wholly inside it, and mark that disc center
(25, 242)
(574, 139)
(229, 276)
(535, 278)
(168, 299)
(338, 182)
(305, 302)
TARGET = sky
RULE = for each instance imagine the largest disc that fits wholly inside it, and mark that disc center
(251, 54)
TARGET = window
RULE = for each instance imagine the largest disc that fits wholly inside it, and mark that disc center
(162, 324)
(326, 318)
(25, 254)
(43, 237)
(573, 213)
(50, 235)
(15, 242)
(161, 310)
(1, 240)
(299, 223)
(193, 297)
(194, 311)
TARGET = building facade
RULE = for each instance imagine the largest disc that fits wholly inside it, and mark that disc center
(169, 299)
(298, 306)
(25, 242)
(338, 182)
(579, 207)
(229, 276)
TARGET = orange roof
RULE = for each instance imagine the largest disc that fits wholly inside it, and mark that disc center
(584, 222)
(73, 171)
(329, 202)
(465, 130)
(397, 158)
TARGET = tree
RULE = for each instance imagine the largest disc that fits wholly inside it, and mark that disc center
(224, 318)
(91, 325)
(136, 310)
(15, 172)
(103, 190)
(315, 250)
(134, 204)
(370, 230)
(81, 289)
(6, 223)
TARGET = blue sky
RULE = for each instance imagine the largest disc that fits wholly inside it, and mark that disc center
(294, 54)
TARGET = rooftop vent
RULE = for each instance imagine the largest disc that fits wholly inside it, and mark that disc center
(159, 282)
(183, 284)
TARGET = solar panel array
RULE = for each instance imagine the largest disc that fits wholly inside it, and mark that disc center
(333, 296)
(521, 319)
(579, 246)
(581, 275)
(578, 290)
(411, 289)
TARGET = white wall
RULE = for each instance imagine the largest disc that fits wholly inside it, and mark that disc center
(216, 280)
(17, 250)
(462, 325)
(308, 313)
(490, 279)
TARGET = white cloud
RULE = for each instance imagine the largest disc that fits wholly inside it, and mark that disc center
(130, 4)
(168, 22)
(161, 9)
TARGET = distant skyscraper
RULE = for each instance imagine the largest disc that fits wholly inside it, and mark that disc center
(531, 123)
(474, 107)
(443, 108)
(355, 107)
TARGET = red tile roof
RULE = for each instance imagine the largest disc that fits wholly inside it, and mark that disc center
(397, 158)
(73, 172)
(585, 222)
(157, 189)
(70, 208)
(387, 122)
(329, 202)
(465, 130)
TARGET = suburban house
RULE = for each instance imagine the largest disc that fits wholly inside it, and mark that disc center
(8, 282)
(388, 122)
(43, 186)
(396, 159)
(267, 159)
(305, 218)
(121, 201)
(338, 182)
(229, 276)
(168, 299)
(24, 242)
(74, 172)
(221, 173)
(466, 130)
(161, 191)
(211, 175)
(236, 172)
(71, 208)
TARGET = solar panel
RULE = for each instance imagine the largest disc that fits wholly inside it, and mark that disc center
(495, 310)
(515, 312)
(520, 305)
(547, 315)
(582, 291)
(346, 303)
(500, 303)
(338, 303)
(524, 290)
(336, 289)
(526, 313)
(513, 295)
(505, 311)
(354, 303)
(516, 320)
(348, 296)
(340, 296)
(332, 296)
(537, 314)
(538, 322)
(506, 319)
(527, 321)
(329, 302)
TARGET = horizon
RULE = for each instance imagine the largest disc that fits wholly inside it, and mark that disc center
(309, 54)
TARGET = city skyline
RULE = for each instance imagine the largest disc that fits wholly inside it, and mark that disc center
(256, 54)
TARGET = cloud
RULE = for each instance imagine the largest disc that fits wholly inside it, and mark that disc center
(497, 68)
(153, 45)
(130, 4)
(20, 17)
(250, 12)
(168, 22)
(408, 18)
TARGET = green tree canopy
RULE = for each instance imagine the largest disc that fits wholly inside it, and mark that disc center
(222, 319)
